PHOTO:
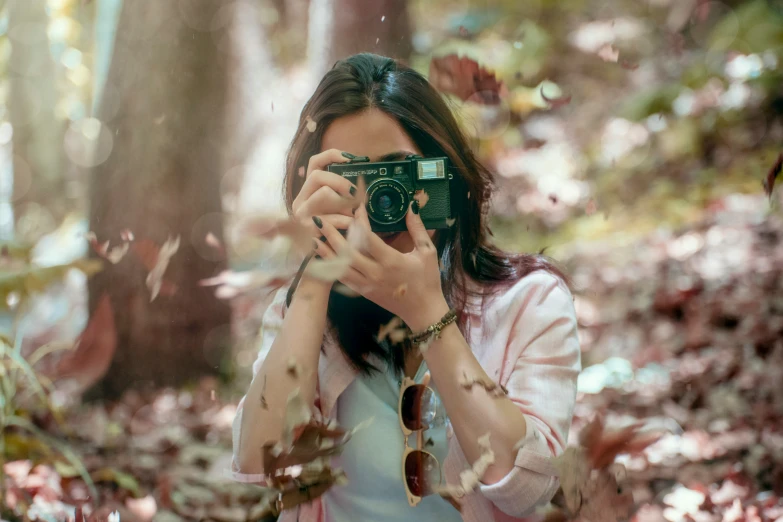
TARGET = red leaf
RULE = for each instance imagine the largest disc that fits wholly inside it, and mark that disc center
(466, 79)
(92, 354)
(769, 181)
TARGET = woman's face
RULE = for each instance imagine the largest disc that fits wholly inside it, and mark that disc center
(375, 134)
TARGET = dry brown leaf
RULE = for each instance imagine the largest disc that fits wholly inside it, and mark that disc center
(466, 79)
(774, 171)
(422, 197)
(608, 53)
(493, 388)
(388, 330)
(470, 478)
(155, 276)
(93, 352)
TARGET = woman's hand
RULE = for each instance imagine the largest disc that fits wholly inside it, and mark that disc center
(325, 194)
(407, 285)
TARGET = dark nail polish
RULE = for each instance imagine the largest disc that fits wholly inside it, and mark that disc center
(415, 207)
(318, 221)
(348, 155)
(323, 239)
(352, 190)
(317, 256)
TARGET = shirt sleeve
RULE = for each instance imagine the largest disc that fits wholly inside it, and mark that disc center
(542, 383)
(271, 323)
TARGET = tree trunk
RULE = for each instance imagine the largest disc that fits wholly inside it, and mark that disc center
(165, 107)
(340, 28)
(38, 135)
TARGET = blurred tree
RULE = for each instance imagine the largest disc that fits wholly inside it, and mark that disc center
(38, 136)
(340, 28)
(165, 106)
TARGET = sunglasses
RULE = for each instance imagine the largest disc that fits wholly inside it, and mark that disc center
(416, 411)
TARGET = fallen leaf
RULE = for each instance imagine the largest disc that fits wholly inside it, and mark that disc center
(144, 508)
(311, 125)
(466, 79)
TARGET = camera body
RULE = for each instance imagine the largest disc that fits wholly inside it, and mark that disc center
(391, 186)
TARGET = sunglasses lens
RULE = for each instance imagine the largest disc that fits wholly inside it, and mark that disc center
(422, 473)
(418, 407)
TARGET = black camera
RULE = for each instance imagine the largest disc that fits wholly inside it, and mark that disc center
(391, 186)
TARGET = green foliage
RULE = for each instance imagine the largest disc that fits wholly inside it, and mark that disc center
(20, 438)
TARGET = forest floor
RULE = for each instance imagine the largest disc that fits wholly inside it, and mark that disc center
(682, 330)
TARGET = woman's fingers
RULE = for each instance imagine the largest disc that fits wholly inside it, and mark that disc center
(366, 266)
(321, 178)
(375, 245)
(337, 221)
(326, 201)
(322, 159)
(323, 250)
(421, 239)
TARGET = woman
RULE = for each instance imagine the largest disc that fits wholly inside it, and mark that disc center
(515, 322)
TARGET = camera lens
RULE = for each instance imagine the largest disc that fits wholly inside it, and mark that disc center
(387, 201)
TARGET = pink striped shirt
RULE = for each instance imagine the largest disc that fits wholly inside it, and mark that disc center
(526, 339)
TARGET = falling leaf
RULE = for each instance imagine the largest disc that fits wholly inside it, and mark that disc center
(631, 66)
(92, 354)
(422, 197)
(155, 277)
(769, 181)
(555, 103)
(463, 31)
(470, 478)
(591, 207)
(330, 269)
(116, 254)
(127, 235)
(608, 53)
(493, 388)
(311, 125)
(466, 79)
(213, 241)
(389, 328)
(450, 222)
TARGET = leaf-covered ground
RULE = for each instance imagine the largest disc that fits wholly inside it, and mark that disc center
(683, 330)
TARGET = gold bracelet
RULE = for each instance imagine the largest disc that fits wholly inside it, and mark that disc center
(433, 331)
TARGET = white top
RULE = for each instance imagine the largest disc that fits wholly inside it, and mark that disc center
(372, 459)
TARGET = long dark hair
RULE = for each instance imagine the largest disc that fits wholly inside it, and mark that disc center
(365, 81)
